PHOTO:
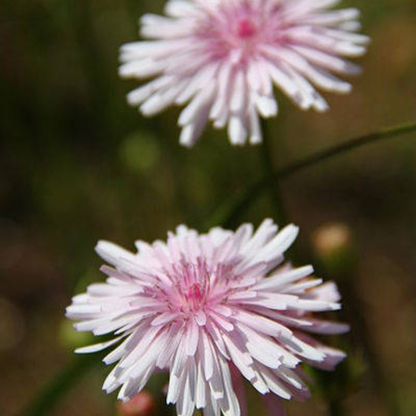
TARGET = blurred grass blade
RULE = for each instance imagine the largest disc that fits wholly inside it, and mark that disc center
(231, 210)
(59, 386)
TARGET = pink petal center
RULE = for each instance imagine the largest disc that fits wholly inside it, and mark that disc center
(195, 287)
(240, 29)
(195, 293)
(246, 28)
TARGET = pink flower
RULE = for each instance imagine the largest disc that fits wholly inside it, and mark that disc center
(210, 309)
(223, 57)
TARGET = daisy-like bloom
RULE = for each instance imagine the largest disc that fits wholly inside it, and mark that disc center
(221, 58)
(210, 309)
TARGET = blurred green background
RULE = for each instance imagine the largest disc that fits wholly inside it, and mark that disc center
(78, 165)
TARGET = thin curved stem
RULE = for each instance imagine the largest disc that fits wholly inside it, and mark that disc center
(239, 202)
(266, 152)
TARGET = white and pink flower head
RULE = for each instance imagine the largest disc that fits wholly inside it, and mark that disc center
(210, 309)
(222, 59)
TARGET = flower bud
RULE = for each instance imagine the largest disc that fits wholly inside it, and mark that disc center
(143, 404)
(334, 247)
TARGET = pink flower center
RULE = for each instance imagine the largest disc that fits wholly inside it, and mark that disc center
(246, 28)
(195, 287)
(194, 298)
(195, 293)
(240, 29)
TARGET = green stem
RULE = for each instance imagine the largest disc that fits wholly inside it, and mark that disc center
(266, 152)
(238, 203)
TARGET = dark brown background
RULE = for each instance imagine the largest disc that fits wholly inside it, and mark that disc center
(77, 165)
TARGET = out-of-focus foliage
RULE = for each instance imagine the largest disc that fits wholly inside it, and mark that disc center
(77, 165)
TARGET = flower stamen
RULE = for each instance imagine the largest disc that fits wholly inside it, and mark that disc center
(246, 28)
